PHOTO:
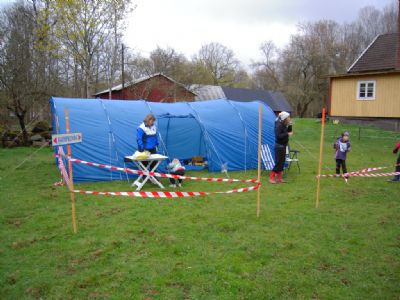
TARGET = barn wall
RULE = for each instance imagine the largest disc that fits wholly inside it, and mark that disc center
(155, 89)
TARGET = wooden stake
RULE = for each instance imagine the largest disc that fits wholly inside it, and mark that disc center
(259, 157)
(321, 146)
(71, 179)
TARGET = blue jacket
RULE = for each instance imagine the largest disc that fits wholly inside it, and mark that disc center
(146, 137)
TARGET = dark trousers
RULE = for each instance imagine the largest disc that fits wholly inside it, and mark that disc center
(180, 173)
(145, 163)
(280, 155)
(341, 162)
(397, 177)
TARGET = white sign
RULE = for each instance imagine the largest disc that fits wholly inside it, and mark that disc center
(66, 138)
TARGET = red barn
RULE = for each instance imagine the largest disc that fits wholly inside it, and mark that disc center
(153, 88)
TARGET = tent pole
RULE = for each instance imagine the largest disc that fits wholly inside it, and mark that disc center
(259, 157)
(321, 145)
(71, 179)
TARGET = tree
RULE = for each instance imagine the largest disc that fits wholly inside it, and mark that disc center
(309, 57)
(319, 48)
(266, 72)
(219, 61)
(21, 78)
(167, 61)
(83, 27)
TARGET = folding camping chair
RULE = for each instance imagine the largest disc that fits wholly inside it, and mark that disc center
(291, 157)
(267, 158)
(269, 162)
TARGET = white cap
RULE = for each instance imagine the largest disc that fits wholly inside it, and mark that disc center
(284, 115)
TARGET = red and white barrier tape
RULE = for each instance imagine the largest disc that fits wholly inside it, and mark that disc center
(363, 173)
(155, 174)
(167, 194)
(62, 168)
(375, 174)
(156, 194)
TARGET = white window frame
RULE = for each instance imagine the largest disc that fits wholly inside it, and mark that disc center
(366, 82)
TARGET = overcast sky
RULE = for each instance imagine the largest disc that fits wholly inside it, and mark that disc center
(241, 25)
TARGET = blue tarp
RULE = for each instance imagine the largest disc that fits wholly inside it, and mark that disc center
(223, 131)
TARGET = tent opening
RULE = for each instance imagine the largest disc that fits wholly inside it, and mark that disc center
(182, 137)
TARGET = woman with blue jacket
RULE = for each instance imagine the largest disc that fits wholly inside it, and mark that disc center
(147, 135)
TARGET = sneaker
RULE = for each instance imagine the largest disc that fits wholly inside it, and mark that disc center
(172, 185)
(180, 185)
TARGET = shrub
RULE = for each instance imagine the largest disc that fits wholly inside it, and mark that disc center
(41, 126)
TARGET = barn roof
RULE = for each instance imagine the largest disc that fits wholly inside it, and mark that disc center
(136, 81)
(273, 99)
(207, 92)
(380, 55)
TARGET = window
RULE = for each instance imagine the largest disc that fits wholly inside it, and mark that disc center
(366, 90)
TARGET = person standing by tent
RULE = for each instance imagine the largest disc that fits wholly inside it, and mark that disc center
(147, 136)
(281, 141)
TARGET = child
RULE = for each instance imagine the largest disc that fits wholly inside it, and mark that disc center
(176, 168)
(396, 178)
(342, 146)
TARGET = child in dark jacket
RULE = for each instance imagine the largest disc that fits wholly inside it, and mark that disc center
(342, 146)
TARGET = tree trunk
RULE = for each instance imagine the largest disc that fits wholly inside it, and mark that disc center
(21, 120)
(301, 108)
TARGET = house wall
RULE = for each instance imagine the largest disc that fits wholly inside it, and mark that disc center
(344, 103)
(155, 89)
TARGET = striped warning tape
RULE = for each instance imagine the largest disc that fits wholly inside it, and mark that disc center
(156, 194)
(155, 174)
(167, 194)
(375, 174)
(63, 171)
(363, 173)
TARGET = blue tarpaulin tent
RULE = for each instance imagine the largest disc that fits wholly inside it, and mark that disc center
(223, 131)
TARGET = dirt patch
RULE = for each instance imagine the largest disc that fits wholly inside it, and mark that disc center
(27, 243)
(12, 278)
(16, 222)
(115, 211)
(315, 296)
(34, 292)
(116, 244)
(331, 268)
(73, 264)
(356, 192)
(96, 254)
(345, 281)
(97, 295)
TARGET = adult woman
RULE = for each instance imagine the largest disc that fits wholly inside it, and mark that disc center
(396, 178)
(282, 132)
(147, 135)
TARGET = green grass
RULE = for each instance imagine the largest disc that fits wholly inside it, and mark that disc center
(209, 247)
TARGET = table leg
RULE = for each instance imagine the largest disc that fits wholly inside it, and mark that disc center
(152, 178)
(141, 180)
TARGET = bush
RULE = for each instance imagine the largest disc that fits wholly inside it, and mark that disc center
(46, 135)
(10, 139)
(41, 126)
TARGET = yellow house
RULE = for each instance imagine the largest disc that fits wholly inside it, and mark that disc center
(370, 90)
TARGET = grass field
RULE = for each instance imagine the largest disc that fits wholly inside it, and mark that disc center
(206, 248)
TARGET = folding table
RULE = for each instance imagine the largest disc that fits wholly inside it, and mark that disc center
(153, 158)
